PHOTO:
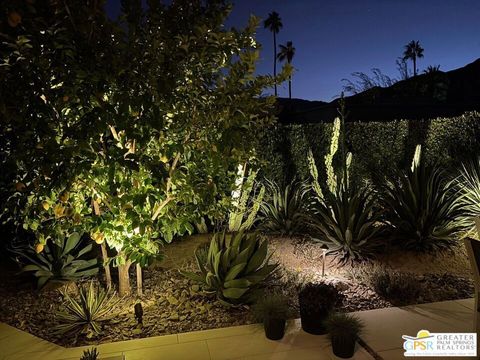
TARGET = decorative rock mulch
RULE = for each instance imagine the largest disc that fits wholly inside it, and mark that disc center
(172, 304)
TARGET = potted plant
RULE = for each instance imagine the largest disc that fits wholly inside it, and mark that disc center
(90, 354)
(316, 301)
(272, 310)
(344, 330)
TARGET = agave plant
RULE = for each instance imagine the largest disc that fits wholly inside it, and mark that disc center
(285, 209)
(469, 187)
(85, 315)
(235, 269)
(60, 263)
(346, 221)
(423, 207)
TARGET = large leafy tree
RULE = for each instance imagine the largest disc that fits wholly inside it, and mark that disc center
(148, 119)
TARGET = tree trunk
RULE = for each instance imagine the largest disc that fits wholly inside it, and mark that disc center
(414, 66)
(275, 60)
(139, 280)
(106, 266)
(124, 287)
(290, 87)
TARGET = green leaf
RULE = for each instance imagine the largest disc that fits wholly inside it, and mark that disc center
(234, 271)
(234, 293)
(238, 283)
(257, 258)
(71, 243)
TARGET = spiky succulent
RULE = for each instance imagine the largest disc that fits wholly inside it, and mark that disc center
(59, 262)
(85, 314)
(284, 210)
(235, 268)
(423, 207)
(90, 354)
(469, 186)
(347, 223)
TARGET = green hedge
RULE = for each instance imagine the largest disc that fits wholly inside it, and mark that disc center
(378, 148)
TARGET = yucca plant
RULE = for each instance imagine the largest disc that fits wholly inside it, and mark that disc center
(236, 267)
(85, 314)
(347, 222)
(469, 187)
(246, 201)
(59, 263)
(284, 210)
(423, 207)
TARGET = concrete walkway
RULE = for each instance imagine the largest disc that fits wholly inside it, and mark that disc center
(385, 328)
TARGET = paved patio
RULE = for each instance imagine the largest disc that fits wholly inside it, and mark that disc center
(384, 330)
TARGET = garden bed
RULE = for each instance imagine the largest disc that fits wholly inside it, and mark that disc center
(173, 304)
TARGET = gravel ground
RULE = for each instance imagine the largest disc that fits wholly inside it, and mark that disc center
(173, 304)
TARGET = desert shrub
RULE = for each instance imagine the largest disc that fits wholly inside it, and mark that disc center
(58, 262)
(422, 207)
(86, 314)
(236, 267)
(469, 186)
(397, 287)
(284, 210)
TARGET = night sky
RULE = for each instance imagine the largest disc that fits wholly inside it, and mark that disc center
(334, 38)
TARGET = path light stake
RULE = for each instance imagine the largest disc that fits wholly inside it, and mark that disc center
(324, 259)
(139, 313)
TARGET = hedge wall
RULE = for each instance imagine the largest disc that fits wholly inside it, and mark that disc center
(378, 148)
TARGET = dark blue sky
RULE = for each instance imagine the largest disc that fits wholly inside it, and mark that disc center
(334, 38)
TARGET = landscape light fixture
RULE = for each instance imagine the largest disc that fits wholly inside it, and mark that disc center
(139, 313)
(324, 256)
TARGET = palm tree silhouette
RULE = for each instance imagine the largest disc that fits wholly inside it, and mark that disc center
(432, 69)
(413, 51)
(274, 24)
(287, 52)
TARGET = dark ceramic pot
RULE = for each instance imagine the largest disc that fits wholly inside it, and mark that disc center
(313, 322)
(274, 328)
(344, 347)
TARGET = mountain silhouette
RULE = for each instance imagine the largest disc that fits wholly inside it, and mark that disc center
(436, 94)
